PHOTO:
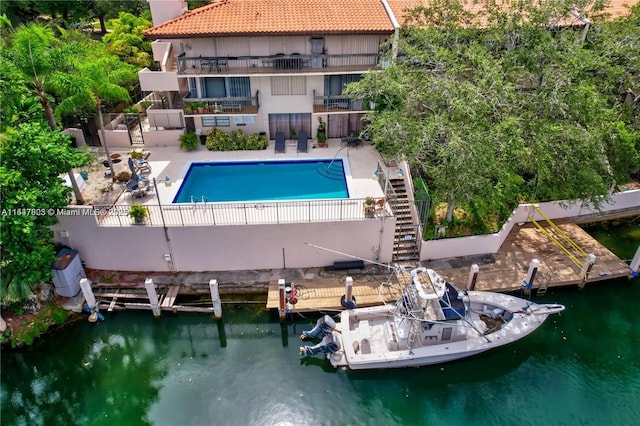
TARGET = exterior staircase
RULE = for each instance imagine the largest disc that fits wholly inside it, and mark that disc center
(405, 244)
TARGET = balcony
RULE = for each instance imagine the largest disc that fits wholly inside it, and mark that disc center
(227, 106)
(275, 64)
(337, 103)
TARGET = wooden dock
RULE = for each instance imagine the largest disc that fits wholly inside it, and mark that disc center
(324, 294)
(503, 271)
(136, 298)
(524, 243)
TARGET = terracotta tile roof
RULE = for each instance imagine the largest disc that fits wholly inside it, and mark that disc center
(613, 8)
(247, 17)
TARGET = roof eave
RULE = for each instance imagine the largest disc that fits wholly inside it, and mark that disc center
(253, 34)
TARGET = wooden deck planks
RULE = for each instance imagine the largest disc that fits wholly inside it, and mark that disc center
(526, 243)
(506, 274)
(170, 297)
(325, 294)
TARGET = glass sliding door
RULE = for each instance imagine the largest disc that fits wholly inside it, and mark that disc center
(299, 122)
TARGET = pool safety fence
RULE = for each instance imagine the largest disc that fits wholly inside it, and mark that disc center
(248, 213)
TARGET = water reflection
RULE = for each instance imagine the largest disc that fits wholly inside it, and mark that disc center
(222, 334)
(114, 371)
(189, 369)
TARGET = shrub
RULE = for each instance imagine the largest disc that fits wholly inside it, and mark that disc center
(123, 176)
(189, 141)
(256, 142)
(217, 140)
(138, 212)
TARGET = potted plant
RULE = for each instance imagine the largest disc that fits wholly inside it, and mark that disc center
(138, 213)
(189, 141)
(321, 135)
(369, 207)
(292, 133)
(123, 176)
(191, 107)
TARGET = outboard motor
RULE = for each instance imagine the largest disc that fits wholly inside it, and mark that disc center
(324, 326)
(330, 344)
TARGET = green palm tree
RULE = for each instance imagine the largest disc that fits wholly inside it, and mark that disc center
(36, 57)
(95, 78)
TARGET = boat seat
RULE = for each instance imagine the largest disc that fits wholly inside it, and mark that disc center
(365, 346)
(391, 337)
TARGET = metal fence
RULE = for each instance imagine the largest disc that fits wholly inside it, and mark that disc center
(253, 213)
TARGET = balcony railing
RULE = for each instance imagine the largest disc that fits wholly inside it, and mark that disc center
(208, 106)
(252, 213)
(337, 103)
(275, 64)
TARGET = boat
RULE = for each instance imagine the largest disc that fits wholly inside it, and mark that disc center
(432, 322)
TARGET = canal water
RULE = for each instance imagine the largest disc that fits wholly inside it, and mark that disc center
(580, 367)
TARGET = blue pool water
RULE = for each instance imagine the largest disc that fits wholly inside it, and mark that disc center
(263, 181)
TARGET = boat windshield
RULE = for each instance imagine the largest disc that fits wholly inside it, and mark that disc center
(452, 306)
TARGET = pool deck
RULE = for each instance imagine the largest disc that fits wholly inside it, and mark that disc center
(174, 163)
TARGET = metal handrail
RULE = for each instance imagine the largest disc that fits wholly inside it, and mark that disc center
(244, 213)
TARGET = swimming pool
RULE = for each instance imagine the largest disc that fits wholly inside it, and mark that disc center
(263, 181)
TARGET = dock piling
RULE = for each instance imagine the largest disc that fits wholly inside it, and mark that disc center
(348, 301)
(531, 275)
(153, 296)
(282, 305)
(215, 297)
(473, 277)
(87, 292)
(586, 268)
(635, 264)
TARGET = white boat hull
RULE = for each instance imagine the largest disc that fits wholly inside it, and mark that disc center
(378, 337)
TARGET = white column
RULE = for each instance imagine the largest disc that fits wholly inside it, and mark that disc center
(215, 297)
(348, 290)
(153, 297)
(87, 292)
(531, 274)
(473, 277)
(586, 268)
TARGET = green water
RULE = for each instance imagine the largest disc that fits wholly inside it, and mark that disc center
(581, 367)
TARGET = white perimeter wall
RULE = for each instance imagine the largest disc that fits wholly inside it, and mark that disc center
(481, 244)
(222, 248)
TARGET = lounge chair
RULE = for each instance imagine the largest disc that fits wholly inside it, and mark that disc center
(143, 167)
(132, 187)
(280, 142)
(302, 142)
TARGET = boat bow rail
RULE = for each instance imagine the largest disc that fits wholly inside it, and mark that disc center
(545, 309)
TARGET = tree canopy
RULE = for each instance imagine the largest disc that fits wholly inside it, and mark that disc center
(33, 158)
(514, 110)
(127, 41)
(46, 78)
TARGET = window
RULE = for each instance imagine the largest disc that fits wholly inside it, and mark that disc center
(335, 84)
(289, 85)
(222, 87)
(216, 121)
(193, 90)
(446, 333)
(242, 120)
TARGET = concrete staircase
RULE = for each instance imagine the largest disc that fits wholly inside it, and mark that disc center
(405, 246)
